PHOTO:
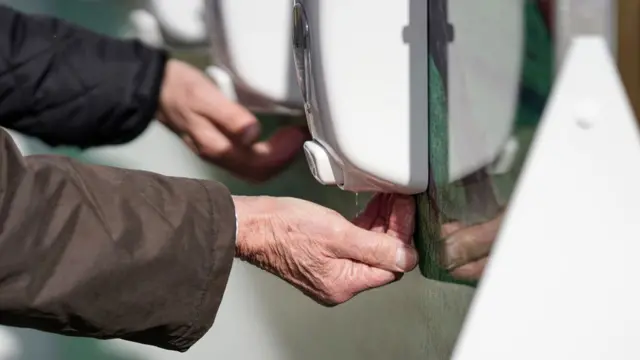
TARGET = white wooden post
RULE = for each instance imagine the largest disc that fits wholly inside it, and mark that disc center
(562, 279)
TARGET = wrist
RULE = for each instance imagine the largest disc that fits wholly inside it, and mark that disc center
(254, 231)
(171, 88)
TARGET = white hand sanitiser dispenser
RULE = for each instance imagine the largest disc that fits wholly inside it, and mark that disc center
(178, 24)
(248, 42)
(363, 71)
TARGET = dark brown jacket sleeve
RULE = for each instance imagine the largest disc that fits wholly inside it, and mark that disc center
(109, 253)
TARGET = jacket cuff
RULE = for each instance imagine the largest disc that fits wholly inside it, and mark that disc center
(158, 63)
(223, 235)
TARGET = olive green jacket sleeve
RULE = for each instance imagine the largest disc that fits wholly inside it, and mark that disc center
(106, 253)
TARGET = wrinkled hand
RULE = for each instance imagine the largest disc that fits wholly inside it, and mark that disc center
(220, 130)
(320, 252)
(466, 249)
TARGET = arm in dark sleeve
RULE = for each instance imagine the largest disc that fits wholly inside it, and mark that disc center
(70, 86)
(102, 252)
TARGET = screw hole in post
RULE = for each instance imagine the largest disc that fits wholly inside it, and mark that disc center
(585, 113)
(584, 124)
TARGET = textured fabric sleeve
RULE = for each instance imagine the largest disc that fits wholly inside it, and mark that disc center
(101, 252)
(70, 86)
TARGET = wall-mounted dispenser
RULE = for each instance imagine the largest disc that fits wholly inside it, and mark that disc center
(364, 73)
(248, 42)
(178, 24)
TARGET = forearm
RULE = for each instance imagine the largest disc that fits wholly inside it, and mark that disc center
(69, 86)
(109, 253)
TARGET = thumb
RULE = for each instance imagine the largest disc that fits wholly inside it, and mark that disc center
(278, 151)
(230, 117)
(378, 250)
(367, 277)
(470, 244)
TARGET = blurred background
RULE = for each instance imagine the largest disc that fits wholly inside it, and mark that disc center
(261, 317)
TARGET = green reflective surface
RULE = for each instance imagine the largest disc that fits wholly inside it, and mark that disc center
(478, 195)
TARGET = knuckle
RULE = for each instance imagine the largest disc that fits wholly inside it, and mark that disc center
(468, 239)
(334, 286)
(215, 151)
(338, 229)
(379, 252)
(337, 298)
(241, 122)
(194, 93)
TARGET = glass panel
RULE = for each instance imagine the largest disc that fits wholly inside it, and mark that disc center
(490, 74)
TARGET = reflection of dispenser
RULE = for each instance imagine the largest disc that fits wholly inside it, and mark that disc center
(363, 70)
(484, 66)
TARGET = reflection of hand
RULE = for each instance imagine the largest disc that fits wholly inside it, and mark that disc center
(220, 130)
(320, 252)
(466, 249)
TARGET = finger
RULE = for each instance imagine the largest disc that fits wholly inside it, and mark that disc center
(235, 121)
(381, 221)
(392, 214)
(470, 244)
(208, 141)
(449, 228)
(401, 217)
(366, 218)
(191, 144)
(267, 158)
(256, 163)
(377, 250)
(471, 271)
(366, 278)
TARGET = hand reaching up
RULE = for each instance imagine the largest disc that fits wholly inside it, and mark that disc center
(320, 252)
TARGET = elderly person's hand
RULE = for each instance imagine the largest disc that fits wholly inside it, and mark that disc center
(320, 252)
(220, 130)
(466, 249)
